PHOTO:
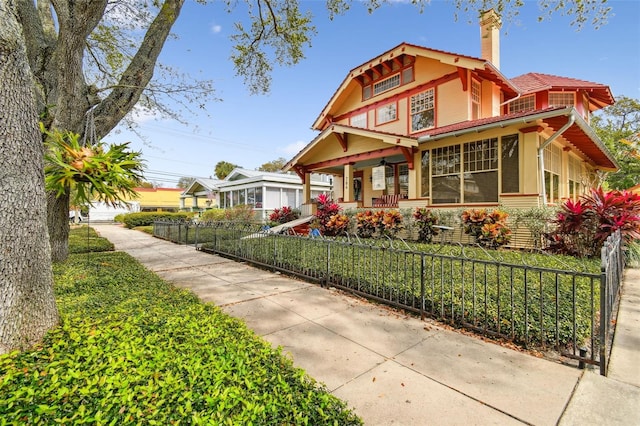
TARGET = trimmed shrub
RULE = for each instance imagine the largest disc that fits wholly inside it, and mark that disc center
(83, 239)
(241, 213)
(132, 220)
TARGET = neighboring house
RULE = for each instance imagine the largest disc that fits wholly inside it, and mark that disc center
(418, 126)
(158, 199)
(202, 194)
(264, 191)
(148, 200)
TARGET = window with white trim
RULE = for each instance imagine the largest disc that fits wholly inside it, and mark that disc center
(387, 113)
(422, 108)
(557, 99)
(475, 99)
(359, 120)
(552, 170)
(523, 104)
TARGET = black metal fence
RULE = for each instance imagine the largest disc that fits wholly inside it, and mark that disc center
(541, 308)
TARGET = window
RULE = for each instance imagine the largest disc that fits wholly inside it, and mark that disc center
(523, 104)
(425, 187)
(387, 84)
(445, 176)
(561, 99)
(465, 173)
(510, 164)
(397, 179)
(475, 100)
(422, 111)
(386, 113)
(481, 171)
(359, 120)
(552, 168)
(575, 175)
(401, 76)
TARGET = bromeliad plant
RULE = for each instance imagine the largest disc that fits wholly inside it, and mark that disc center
(326, 210)
(489, 229)
(284, 215)
(92, 173)
(582, 226)
(426, 220)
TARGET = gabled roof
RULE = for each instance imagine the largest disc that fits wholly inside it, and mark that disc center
(580, 134)
(200, 185)
(535, 82)
(385, 137)
(482, 67)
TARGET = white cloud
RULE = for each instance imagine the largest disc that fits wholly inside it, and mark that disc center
(216, 29)
(293, 148)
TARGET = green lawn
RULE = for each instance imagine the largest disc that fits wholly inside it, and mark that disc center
(133, 349)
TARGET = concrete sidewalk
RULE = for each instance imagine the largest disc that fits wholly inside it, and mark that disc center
(395, 369)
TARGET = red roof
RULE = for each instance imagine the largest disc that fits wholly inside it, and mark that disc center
(537, 82)
(579, 134)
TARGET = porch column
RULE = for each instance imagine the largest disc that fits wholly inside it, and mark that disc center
(413, 191)
(181, 203)
(348, 183)
(306, 189)
(194, 201)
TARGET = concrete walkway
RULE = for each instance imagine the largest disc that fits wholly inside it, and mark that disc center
(394, 369)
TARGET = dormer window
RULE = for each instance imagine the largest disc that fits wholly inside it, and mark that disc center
(523, 104)
(557, 99)
(387, 76)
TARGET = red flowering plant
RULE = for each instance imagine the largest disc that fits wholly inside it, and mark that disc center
(326, 209)
(283, 215)
(582, 227)
(488, 229)
(426, 221)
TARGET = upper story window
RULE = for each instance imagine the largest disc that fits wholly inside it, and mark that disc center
(561, 99)
(401, 76)
(422, 107)
(359, 120)
(387, 113)
(475, 99)
(523, 104)
(387, 84)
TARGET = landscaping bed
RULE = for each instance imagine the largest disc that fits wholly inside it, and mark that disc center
(132, 348)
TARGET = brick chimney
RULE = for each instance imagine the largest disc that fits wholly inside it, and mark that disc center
(490, 24)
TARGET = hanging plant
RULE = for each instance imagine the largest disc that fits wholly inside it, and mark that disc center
(96, 172)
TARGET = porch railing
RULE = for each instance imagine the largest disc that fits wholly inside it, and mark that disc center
(540, 308)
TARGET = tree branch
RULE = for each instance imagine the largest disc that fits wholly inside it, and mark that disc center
(139, 72)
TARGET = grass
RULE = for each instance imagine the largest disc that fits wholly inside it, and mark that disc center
(537, 306)
(132, 349)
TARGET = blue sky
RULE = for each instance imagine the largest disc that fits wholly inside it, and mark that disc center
(249, 130)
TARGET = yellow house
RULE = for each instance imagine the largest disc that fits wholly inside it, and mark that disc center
(418, 126)
(159, 199)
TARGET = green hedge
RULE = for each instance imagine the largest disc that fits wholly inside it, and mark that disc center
(83, 239)
(132, 220)
(133, 349)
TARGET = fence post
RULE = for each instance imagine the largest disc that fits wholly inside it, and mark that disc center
(604, 312)
(422, 289)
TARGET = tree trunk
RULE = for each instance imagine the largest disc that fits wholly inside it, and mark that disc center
(27, 303)
(58, 224)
